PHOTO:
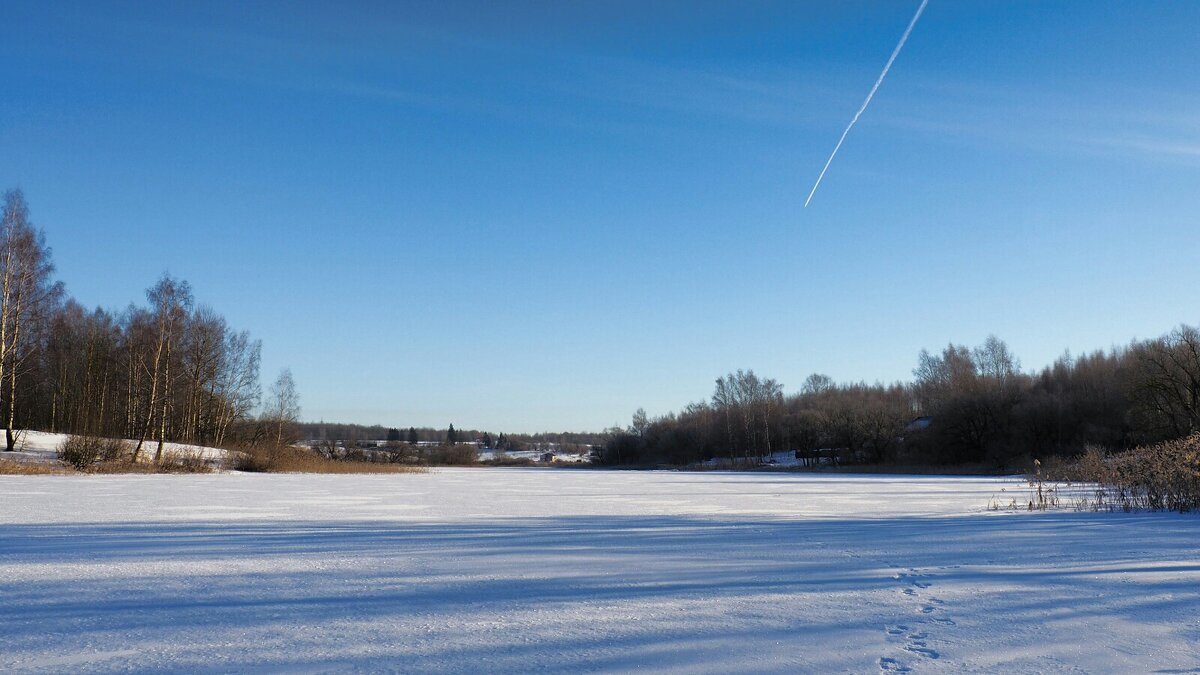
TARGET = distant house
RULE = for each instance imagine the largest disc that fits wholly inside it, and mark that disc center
(914, 429)
(919, 424)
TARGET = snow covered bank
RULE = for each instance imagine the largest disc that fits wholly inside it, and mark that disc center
(488, 454)
(513, 571)
(42, 447)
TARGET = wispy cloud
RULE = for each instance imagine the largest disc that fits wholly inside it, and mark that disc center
(1154, 147)
(1137, 124)
(755, 95)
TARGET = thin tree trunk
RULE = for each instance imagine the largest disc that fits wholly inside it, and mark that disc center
(729, 434)
(162, 431)
(153, 398)
(12, 381)
(767, 427)
(129, 405)
(103, 396)
(5, 297)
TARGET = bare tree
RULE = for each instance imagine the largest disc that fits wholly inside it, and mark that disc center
(283, 405)
(994, 360)
(171, 299)
(13, 226)
(816, 384)
(1167, 385)
(236, 388)
(753, 401)
(640, 423)
(27, 291)
(724, 402)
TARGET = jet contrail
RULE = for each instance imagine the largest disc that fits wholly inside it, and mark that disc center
(886, 67)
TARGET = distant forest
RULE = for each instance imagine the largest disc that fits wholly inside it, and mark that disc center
(321, 431)
(169, 370)
(963, 406)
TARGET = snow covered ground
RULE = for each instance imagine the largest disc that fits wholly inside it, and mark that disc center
(778, 459)
(518, 570)
(42, 447)
(489, 454)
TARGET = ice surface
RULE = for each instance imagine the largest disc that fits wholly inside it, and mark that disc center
(518, 570)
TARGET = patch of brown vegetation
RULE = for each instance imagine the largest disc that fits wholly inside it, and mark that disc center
(9, 467)
(1160, 477)
(290, 459)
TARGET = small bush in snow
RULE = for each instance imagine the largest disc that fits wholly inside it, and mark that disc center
(81, 452)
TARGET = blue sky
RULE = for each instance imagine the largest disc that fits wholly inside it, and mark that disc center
(541, 216)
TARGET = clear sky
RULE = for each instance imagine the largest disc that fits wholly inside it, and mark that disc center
(541, 216)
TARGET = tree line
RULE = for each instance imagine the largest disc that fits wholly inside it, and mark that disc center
(568, 441)
(963, 405)
(168, 370)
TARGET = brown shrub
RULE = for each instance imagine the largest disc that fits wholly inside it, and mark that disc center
(454, 455)
(115, 450)
(1162, 477)
(184, 461)
(81, 452)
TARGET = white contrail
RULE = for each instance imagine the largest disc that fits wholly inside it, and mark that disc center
(886, 67)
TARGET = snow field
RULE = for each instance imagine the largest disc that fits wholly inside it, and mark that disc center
(518, 570)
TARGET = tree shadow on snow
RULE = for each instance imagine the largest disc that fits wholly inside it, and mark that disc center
(283, 577)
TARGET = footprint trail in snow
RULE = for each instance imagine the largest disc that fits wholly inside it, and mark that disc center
(912, 639)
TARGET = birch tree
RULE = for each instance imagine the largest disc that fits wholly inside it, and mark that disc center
(13, 225)
(26, 291)
(33, 294)
(170, 300)
(283, 405)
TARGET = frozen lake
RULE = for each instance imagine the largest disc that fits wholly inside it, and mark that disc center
(516, 570)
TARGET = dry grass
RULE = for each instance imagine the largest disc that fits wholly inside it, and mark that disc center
(9, 467)
(301, 460)
(171, 462)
